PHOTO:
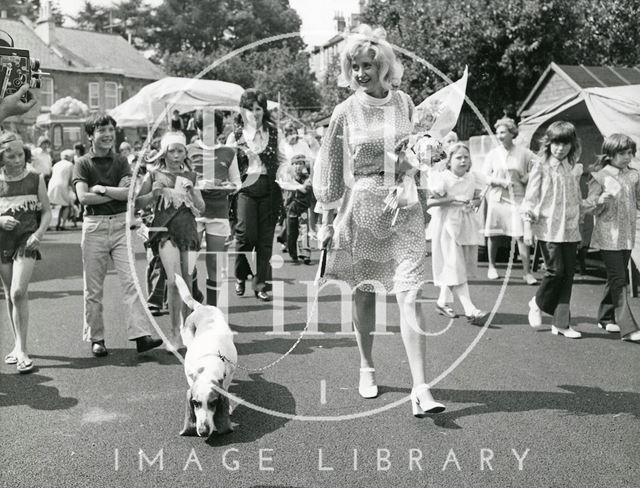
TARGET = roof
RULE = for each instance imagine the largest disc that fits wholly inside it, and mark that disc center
(336, 39)
(108, 51)
(79, 50)
(580, 77)
(601, 76)
(24, 37)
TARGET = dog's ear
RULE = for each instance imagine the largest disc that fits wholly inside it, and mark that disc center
(189, 428)
(221, 417)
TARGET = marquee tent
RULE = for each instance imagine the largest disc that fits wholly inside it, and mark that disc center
(613, 109)
(159, 99)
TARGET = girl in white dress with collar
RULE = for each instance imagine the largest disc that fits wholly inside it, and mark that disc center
(456, 231)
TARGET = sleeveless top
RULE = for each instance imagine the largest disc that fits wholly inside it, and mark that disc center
(216, 202)
(19, 199)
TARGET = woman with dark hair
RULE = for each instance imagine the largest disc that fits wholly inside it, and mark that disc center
(260, 199)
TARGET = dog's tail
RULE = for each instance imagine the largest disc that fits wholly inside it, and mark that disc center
(183, 289)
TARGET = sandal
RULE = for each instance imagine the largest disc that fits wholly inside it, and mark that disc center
(447, 311)
(25, 366)
(10, 359)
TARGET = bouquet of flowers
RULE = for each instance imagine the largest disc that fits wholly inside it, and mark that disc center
(433, 119)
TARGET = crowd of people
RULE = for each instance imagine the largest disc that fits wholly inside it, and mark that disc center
(337, 192)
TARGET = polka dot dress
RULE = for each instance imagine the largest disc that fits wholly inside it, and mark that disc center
(368, 251)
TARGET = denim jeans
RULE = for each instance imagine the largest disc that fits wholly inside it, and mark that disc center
(103, 239)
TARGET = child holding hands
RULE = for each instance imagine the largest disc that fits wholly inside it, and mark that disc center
(614, 195)
(173, 233)
(24, 217)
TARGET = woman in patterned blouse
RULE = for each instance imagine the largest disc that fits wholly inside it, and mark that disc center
(370, 251)
(614, 192)
(551, 210)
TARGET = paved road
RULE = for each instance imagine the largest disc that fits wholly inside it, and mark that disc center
(568, 409)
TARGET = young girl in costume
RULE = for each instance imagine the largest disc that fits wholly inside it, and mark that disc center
(551, 211)
(176, 204)
(614, 193)
(456, 231)
(24, 217)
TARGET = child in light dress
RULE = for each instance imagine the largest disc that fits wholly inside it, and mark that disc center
(456, 230)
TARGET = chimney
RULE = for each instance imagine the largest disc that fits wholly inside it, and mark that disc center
(45, 26)
(339, 22)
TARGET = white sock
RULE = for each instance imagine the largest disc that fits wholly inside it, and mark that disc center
(444, 295)
(463, 295)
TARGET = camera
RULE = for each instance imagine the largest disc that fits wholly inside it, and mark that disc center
(16, 67)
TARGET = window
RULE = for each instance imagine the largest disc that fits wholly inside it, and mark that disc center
(57, 136)
(94, 95)
(71, 135)
(110, 95)
(46, 92)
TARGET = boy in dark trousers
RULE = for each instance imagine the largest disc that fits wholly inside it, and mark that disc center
(297, 206)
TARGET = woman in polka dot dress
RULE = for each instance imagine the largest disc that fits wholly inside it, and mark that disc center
(367, 249)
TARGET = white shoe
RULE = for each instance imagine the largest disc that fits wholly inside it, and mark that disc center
(609, 327)
(422, 402)
(492, 273)
(569, 333)
(529, 279)
(367, 386)
(535, 315)
(633, 337)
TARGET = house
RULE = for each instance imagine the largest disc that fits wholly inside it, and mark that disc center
(322, 56)
(98, 69)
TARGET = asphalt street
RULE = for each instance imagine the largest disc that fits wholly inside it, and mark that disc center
(524, 408)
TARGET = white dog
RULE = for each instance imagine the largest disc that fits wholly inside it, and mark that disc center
(209, 365)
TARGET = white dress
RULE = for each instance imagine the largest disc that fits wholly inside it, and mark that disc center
(456, 231)
(369, 252)
(60, 190)
(503, 206)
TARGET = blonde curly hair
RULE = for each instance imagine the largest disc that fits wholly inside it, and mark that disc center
(370, 40)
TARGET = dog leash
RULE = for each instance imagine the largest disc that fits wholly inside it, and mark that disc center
(319, 274)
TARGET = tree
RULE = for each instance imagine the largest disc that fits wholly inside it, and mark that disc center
(93, 17)
(127, 18)
(30, 9)
(331, 93)
(278, 72)
(190, 40)
(506, 43)
(180, 25)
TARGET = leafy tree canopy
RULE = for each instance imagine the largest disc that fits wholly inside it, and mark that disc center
(507, 44)
(30, 9)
